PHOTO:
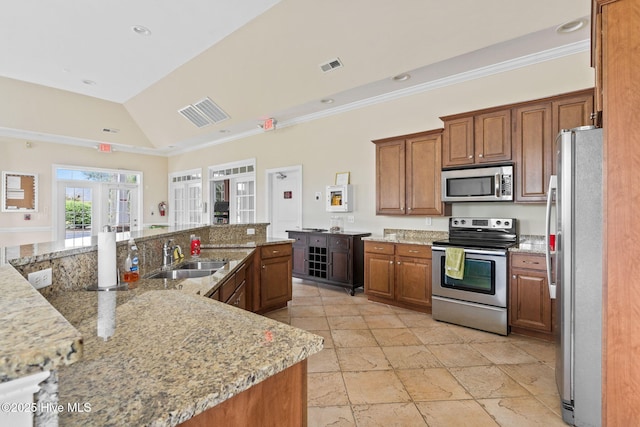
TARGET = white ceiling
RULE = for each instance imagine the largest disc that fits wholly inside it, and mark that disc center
(260, 58)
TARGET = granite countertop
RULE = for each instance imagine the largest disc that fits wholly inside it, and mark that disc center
(326, 231)
(173, 354)
(413, 237)
(35, 337)
(532, 244)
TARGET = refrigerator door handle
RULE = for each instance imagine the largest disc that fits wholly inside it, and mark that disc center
(553, 185)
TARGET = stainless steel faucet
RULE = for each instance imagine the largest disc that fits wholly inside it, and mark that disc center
(167, 253)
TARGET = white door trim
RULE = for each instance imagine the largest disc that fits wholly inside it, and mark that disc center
(268, 173)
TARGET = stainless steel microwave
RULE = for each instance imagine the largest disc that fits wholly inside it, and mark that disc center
(478, 184)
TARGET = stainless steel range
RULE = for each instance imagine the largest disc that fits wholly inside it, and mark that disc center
(479, 299)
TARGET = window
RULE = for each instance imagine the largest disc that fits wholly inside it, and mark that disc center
(232, 192)
(185, 198)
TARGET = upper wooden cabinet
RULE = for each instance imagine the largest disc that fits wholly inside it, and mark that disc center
(408, 175)
(476, 138)
(536, 125)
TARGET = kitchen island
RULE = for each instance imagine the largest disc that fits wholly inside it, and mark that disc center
(177, 356)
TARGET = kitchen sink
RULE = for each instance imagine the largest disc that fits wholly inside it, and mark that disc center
(202, 265)
(181, 274)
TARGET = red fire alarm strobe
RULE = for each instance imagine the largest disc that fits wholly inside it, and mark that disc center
(269, 124)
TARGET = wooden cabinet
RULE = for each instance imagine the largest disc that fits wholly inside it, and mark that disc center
(536, 126)
(398, 274)
(334, 258)
(408, 175)
(477, 138)
(273, 272)
(235, 289)
(530, 308)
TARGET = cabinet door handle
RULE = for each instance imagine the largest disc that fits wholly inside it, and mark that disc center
(480, 155)
(398, 262)
(413, 251)
(390, 262)
(513, 277)
(264, 266)
(531, 262)
(274, 252)
(377, 248)
(471, 157)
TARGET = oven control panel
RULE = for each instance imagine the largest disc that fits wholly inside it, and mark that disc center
(481, 223)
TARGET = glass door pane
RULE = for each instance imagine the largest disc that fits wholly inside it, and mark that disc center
(78, 215)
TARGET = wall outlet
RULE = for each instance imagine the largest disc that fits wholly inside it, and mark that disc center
(40, 279)
(251, 231)
(428, 220)
(351, 219)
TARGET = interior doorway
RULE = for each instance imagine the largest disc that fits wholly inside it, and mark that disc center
(284, 200)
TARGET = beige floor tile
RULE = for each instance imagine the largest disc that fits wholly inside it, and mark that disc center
(418, 320)
(339, 300)
(410, 357)
(326, 334)
(341, 310)
(283, 315)
(374, 308)
(353, 338)
(330, 416)
(457, 413)
(503, 353)
(437, 334)
(314, 300)
(307, 311)
(538, 378)
(369, 387)
(384, 321)
(484, 382)
(362, 359)
(324, 361)
(347, 322)
(326, 389)
(305, 291)
(432, 384)
(310, 323)
(332, 291)
(388, 415)
(541, 350)
(473, 335)
(521, 412)
(458, 355)
(391, 337)
(551, 401)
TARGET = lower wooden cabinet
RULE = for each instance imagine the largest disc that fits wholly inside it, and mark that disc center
(398, 274)
(272, 268)
(235, 288)
(530, 306)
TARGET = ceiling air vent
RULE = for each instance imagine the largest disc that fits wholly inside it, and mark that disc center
(203, 113)
(331, 65)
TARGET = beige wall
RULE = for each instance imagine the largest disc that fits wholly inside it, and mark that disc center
(343, 143)
(323, 147)
(39, 158)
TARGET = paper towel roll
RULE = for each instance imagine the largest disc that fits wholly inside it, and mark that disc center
(106, 314)
(107, 270)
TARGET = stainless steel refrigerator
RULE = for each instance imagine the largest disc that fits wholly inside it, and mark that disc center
(575, 272)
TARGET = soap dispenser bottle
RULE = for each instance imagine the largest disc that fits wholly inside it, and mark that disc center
(131, 267)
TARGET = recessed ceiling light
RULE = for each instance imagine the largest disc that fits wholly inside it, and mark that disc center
(143, 31)
(571, 26)
(327, 101)
(89, 82)
(401, 77)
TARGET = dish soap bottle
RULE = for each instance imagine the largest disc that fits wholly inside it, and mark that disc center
(131, 268)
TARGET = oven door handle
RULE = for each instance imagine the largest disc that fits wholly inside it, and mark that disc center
(473, 251)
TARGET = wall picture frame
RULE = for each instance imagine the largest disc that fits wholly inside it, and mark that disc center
(342, 178)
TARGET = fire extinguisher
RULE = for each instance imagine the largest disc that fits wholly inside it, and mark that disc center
(162, 207)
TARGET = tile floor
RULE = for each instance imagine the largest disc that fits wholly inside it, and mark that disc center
(386, 366)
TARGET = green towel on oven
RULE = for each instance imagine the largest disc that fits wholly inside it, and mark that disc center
(454, 263)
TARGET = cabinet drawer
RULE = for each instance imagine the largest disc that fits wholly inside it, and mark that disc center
(532, 262)
(273, 251)
(379, 248)
(319, 241)
(417, 251)
(300, 238)
(240, 274)
(339, 242)
(228, 288)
